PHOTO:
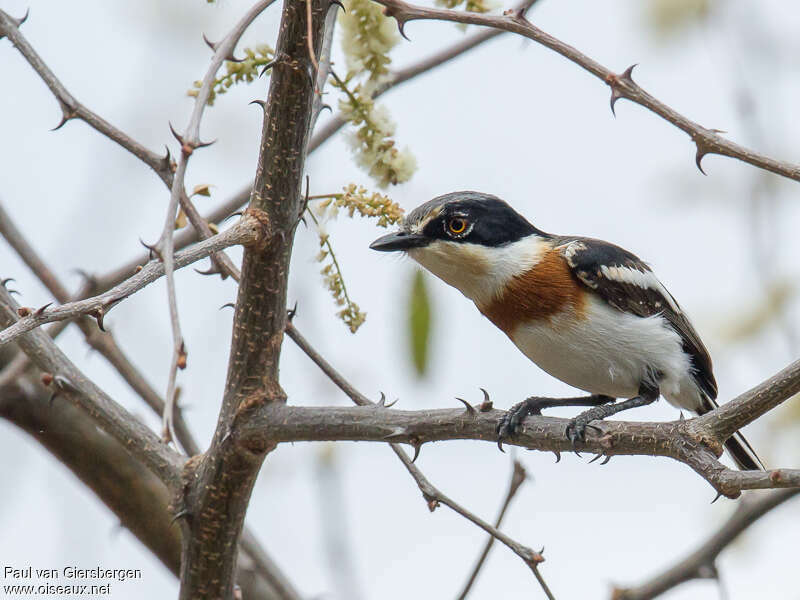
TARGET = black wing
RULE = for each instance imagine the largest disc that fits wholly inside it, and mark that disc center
(629, 285)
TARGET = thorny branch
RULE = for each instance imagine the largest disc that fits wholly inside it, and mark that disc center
(518, 477)
(190, 141)
(103, 342)
(707, 141)
(248, 230)
(431, 494)
(701, 564)
(688, 441)
(400, 76)
(68, 381)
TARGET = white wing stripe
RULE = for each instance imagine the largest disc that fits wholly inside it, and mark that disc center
(643, 279)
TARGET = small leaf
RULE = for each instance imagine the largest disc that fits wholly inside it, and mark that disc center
(419, 322)
(180, 220)
(204, 189)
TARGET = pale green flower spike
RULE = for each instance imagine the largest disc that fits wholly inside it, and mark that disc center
(354, 199)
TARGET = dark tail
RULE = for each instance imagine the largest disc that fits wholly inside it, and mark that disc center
(737, 446)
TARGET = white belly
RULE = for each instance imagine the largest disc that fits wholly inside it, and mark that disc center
(611, 353)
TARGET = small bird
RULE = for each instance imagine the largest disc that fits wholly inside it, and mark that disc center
(586, 311)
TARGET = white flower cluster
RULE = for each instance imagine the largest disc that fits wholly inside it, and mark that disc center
(372, 141)
(367, 37)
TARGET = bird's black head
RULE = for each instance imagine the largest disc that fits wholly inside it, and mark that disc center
(464, 217)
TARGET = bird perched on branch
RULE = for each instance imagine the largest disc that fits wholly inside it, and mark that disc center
(586, 311)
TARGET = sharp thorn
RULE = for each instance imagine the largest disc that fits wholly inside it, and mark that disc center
(698, 158)
(232, 58)
(228, 305)
(209, 43)
(487, 404)
(212, 270)
(417, 447)
(150, 248)
(292, 312)
(615, 95)
(24, 17)
(234, 214)
(41, 309)
(396, 432)
(681, 417)
(392, 403)
(204, 144)
(175, 134)
(469, 407)
(99, 314)
(183, 513)
(401, 28)
(268, 66)
(382, 401)
(626, 74)
(717, 497)
(61, 123)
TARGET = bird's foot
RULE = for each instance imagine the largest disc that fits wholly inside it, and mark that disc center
(508, 424)
(576, 428)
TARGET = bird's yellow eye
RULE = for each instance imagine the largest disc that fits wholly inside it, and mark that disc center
(457, 225)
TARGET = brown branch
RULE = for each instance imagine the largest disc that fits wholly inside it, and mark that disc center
(684, 441)
(247, 231)
(190, 141)
(707, 141)
(745, 409)
(137, 497)
(72, 109)
(69, 382)
(433, 497)
(517, 479)
(427, 63)
(103, 342)
(701, 564)
(218, 486)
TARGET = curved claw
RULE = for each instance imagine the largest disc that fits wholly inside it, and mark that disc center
(228, 305)
(558, 459)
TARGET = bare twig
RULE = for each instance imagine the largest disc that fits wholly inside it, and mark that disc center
(707, 141)
(424, 65)
(246, 231)
(431, 494)
(689, 441)
(701, 564)
(517, 479)
(190, 141)
(103, 342)
(72, 109)
(68, 381)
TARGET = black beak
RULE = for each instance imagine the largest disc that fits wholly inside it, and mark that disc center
(400, 240)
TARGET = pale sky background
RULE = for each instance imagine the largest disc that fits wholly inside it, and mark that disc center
(510, 118)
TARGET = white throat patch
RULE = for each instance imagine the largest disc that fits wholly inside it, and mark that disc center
(479, 272)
